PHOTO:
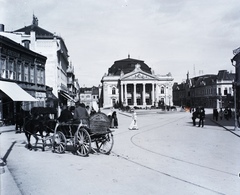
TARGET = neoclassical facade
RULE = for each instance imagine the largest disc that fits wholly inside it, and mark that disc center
(131, 82)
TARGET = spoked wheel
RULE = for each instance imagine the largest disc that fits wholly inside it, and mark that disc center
(105, 143)
(82, 142)
(59, 142)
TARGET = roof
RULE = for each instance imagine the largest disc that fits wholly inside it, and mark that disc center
(127, 65)
(225, 75)
(40, 32)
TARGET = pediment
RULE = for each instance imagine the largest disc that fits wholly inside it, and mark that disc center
(140, 75)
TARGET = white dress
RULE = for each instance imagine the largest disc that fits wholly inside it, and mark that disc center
(133, 125)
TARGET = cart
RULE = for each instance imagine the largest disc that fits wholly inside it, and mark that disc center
(95, 136)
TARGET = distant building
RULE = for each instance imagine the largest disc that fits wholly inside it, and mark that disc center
(88, 95)
(209, 91)
(53, 47)
(131, 82)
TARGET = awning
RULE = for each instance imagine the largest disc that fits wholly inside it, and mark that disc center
(66, 95)
(15, 92)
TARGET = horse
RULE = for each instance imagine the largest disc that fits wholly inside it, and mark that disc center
(35, 126)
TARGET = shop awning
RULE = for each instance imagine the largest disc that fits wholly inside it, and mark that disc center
(15, 92)
(66, 95)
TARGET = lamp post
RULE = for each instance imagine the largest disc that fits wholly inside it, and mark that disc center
(235, 63)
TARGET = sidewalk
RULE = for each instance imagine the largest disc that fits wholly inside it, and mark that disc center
(8, 185)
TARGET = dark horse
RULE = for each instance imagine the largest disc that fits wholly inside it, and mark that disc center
(38, 125)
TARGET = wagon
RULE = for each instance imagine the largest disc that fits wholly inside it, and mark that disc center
(84, 138)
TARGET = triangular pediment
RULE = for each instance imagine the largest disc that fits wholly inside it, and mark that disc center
(138, 75)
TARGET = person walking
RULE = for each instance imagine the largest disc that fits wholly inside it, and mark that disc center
(215, 114)
(194, 117)
(114, 120)
(201, 117)
(133, 125)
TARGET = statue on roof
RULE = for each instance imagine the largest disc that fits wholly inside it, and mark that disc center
(35, 20)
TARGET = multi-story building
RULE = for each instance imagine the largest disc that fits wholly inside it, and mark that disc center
(132, 83)
(22, 77)
(209, 91)
(53, 47)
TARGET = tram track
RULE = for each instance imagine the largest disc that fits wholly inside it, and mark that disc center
(152, 127)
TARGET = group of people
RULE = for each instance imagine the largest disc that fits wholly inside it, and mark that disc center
(77, 114)
(226, 113)
(198, 113)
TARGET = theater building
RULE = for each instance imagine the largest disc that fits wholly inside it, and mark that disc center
(131, 82)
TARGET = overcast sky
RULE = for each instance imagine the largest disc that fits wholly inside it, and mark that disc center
(174, 36)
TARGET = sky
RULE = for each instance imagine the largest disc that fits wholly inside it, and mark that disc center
(176, 36)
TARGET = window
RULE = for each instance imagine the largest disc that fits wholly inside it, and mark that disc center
(19, 74)
(162, 90)
(26, 73)
(40, 77)
(219, 91)
(32, 75)
(113, 90)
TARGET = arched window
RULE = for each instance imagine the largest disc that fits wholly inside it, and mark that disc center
(162, 90)
(113, 90)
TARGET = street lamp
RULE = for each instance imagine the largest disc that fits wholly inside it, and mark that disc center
(236, 128)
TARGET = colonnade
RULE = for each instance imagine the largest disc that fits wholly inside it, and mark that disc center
(146, 97)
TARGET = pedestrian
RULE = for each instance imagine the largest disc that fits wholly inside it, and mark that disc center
(194, 117)
(221, 114)
(201, 117)
(80, 113)
(215, 114)
(114, 120)
(133, 125)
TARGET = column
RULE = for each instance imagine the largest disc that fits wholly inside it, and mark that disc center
(134, 95)
(121, 93)
(144, 94)
(125, 94)
(153, 97)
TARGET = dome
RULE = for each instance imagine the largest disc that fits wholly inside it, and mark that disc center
(127, 65)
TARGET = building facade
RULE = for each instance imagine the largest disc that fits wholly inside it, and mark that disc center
(25, 69)
(53, 47)
(131, 82)
(209, 91)
(89, 96)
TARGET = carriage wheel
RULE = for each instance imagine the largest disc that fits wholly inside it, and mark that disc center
(59, 142)
(82, 142)
(105, 143)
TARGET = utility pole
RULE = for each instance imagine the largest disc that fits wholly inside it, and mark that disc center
(236, 63)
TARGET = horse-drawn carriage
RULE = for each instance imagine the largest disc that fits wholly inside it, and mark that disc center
(94, 136)
(84, 138)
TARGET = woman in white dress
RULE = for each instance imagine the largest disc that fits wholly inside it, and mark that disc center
(133, 125)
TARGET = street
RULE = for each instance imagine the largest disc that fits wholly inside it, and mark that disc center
(167, 155)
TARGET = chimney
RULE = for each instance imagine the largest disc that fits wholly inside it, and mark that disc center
(1, 27)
